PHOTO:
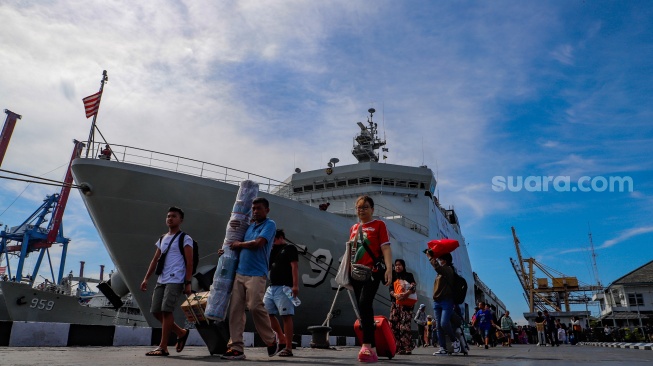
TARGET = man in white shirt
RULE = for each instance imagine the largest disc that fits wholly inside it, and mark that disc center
(175, 273)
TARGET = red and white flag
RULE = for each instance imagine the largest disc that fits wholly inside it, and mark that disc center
(92, 104)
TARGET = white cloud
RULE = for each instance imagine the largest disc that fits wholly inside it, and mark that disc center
(564, 54)
(626, 235)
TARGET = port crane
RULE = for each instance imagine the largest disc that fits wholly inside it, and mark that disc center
(552, 291)
(38, 233)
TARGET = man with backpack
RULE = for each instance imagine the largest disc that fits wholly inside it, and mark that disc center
(174, 269)
(443, 299)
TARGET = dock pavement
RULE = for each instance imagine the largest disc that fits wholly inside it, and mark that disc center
(346, 355)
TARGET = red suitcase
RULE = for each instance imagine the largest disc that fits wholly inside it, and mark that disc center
(384, 340)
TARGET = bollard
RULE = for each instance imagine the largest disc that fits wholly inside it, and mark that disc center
(320, 336)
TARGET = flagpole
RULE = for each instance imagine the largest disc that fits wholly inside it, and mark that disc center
(91, 134)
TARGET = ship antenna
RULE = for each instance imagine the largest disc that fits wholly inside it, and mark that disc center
(595, 267)
(384, 149)
(383, 119)
(422, 150)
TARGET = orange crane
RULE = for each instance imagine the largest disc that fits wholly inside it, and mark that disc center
(551, 291)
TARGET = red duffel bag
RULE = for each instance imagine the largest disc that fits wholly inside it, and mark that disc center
(442, 246)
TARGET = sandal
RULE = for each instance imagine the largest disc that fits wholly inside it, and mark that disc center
(157, 352)
(181, 341)
(367, 355)
(285, 353)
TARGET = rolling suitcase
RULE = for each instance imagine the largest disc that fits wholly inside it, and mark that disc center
(460, 337)
(384, 340)
(501, 336)
(215, 334)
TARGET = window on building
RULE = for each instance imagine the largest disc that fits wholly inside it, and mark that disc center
(635, 299)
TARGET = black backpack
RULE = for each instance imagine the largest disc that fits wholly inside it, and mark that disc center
(459, 288)
(196, 251)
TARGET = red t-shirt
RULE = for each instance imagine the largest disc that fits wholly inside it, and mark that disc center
(375, 235)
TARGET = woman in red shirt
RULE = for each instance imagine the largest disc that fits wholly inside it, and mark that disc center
(376, 238)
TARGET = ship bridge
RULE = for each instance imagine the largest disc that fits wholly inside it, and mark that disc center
(403, 190)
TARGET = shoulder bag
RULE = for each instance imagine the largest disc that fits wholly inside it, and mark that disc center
(162, 258)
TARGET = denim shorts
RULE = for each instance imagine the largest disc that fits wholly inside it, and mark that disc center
(277, 302)
(166, 296)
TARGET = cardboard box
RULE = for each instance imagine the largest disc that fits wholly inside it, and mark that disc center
(194, 311)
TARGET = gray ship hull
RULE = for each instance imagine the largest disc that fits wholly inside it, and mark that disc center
(24, 303)
(128, 204)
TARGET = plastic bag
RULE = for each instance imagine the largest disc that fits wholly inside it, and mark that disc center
(343, 277)
(442, 246)
(402, 286)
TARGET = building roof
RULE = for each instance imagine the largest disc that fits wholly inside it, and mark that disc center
(624, 315)
(641, 275)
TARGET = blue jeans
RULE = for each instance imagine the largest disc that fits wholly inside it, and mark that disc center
(443, 310)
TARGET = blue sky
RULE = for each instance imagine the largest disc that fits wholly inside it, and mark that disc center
(474, 90)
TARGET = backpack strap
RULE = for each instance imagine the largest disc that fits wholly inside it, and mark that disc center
(181, 247)
(453, 279)
(171, 241)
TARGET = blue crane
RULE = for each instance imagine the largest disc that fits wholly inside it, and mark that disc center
(34, 236)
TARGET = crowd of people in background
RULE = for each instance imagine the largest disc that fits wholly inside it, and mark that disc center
(264, 249)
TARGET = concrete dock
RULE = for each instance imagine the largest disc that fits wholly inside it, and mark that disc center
(196, 355)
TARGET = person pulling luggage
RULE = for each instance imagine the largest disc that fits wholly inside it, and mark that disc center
(443, 302)
(371, 252)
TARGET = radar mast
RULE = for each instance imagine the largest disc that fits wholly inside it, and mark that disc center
(367, 142)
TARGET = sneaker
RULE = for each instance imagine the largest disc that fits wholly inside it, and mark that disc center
(233, 354)
(274, 348)
(442, 351)
(486, 347)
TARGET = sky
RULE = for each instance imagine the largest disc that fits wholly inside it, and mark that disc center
(525, 111)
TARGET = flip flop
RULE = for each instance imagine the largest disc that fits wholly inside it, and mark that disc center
(181, 342)
(157, 352)
(285, 353)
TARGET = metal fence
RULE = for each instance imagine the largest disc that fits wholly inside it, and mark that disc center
(179, 164)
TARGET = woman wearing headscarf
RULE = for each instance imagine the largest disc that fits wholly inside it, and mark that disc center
(375, 237)
(401, 314)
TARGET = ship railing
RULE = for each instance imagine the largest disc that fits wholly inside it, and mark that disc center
(387, 214)
(179, 164)
(480, 284)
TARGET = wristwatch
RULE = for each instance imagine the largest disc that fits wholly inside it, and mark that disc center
(187, 282)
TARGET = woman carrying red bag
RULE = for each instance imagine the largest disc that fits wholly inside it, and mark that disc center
(370, 236)
(401, 310)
